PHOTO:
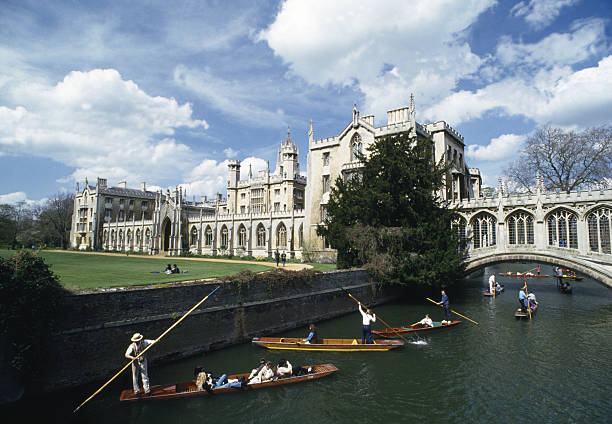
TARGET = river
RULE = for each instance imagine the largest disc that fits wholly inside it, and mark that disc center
(555, 368)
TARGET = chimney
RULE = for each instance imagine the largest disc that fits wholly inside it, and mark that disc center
(204, 199)
(144, 186)
(101, 182)
(122, 184)
(219, 198)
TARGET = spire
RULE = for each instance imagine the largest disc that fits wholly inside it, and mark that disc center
(86, 183)
(288, 141)
(355, 115)
(412, 111)
(310, 133)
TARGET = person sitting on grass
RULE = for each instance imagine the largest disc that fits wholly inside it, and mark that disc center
(175, 269)
(168, 269)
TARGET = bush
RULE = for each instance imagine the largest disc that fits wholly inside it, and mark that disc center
(30, 296)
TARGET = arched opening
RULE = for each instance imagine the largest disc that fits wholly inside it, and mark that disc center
(562, 229)
(520, 228)
(208, 239)
(166, 229)
(281, 235)
(483, 230)
(261, 236)
(242, 236)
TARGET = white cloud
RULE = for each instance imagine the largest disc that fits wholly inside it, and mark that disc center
(540, 13)
(230, 153)
(18, 197)
(558, 96)
(506, 146)
(384, 47)
(586, 39)
(99, 124)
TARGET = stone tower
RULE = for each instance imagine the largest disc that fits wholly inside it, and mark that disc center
(287, 162)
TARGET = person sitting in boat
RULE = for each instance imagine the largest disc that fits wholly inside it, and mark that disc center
(532, 300)
(498, 288)
(426, 322)
(284, 369)
(255, 371)
(523, 299)
(366, 329)
(204, 381)
(223, 382)
(266, 374)
(312, 336)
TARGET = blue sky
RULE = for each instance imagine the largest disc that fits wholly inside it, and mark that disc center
(166, 92)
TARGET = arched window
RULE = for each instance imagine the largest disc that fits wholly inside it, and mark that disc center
(242, 236)
(208, 239)
(113, 240)
(105, 239)
(261, 236)
(562, 229)
(281, 235)
(600, 223)
(138, 237)
(147, 238)
(301, 236)
(120, 239)
(520, 228)
(128, 239)
(483, 229)
(193, 236)
(459, 224)
(224, 237)
(356, 146)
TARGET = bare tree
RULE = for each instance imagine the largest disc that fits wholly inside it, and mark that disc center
(55, 218)
(565, 160)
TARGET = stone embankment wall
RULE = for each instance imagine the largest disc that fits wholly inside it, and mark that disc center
(96, 327)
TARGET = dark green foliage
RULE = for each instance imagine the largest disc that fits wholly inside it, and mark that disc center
(390, 220)
(30, 296)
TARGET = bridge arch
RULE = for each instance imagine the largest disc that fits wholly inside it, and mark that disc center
(591, 269)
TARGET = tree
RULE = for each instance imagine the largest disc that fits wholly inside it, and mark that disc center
(390, 220)
(55, 218)
(8, 225)
(565, 160)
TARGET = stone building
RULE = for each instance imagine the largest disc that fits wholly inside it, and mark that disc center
(265, 212)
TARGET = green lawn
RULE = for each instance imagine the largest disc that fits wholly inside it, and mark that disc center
(77, 271)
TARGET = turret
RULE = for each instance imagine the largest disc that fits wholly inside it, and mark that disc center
(233, 167)
(287, 164)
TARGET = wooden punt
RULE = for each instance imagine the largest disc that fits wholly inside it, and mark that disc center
(394, 332)
(509, 274)
(488, 293)
(189, 389)
(326, 345)
(572, 277)
(520, 314)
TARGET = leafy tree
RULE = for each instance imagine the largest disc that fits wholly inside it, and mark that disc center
(55, 218)
(390, 220)
(8, 226)
(566, 160)
(30, 296)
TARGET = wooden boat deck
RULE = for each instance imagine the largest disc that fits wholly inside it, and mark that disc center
(326, 345)
(394, 332)
(488, 293)
(519, 314)
(189, 389)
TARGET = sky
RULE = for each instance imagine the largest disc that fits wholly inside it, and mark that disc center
(167, 92)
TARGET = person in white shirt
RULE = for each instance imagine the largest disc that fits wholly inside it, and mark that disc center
(492, 283)
(266, 374)
(139, 366)
(426, 322)
(366, 330)
(284, 369)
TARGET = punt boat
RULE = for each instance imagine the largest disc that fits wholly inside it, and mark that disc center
(519, 274)
(189, 389)
(520, 314)
(395, 332)
(326, 345)
(488, 293)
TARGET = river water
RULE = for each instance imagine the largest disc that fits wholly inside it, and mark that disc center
(555, 368)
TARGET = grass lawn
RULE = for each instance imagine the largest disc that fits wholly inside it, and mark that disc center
(88, 271)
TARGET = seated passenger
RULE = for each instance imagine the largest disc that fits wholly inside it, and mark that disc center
(255, 371)
(284, 369)
(498, 288)
(532, 300)
(203, 381)
(426, 322)
(266, 374)
(312, 336)
(168, 269)
(223, 382)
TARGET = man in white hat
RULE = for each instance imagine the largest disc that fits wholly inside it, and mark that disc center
(139, 366)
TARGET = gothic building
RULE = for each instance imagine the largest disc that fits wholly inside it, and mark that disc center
(265, 212)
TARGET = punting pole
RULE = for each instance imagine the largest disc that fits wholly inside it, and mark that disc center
(456, 313)
(527, 294)
(147, 348)
(381, 320)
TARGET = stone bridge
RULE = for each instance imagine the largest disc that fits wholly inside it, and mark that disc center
(572, 230)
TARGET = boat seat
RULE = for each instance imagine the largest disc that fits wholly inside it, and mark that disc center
(354, 342)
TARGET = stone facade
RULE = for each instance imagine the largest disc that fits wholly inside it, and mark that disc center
(265, 212)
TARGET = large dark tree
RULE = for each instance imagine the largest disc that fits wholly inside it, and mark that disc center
(390, 220)
(565, 160)
(55, 218)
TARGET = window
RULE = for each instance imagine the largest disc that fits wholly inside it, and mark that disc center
(257, 200)
(277, 192)
(120, 215)
(147, 239)
(326, 159)
(107, 214)
(243, 196)
(483, 229)
(326, 183)
(281, 235)
(242, 209)
(130, 215)
(448, 153)
(208, 240)
(193, 239)
(600, 223)
(131, 203)
(224, 237)
(520, 228)
(459, 225)
(323, 213)
(242, 236)
(562, 229)
(121, 202)
(261, 236)
(277, 207)
(144, 205)
(356, 147)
